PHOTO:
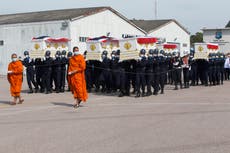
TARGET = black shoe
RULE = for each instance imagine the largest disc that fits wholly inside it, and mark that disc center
(36, 90)
(155, 93)
(138, 95)
(121, 94)
(149, 93)
(162, 92)
(143, 94)
(176, 88)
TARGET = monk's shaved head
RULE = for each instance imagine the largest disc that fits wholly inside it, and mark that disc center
(14, 55)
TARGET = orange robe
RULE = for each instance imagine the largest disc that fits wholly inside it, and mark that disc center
(77, 80)
(15, 79)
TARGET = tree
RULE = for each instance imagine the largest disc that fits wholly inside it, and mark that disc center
(197, 38)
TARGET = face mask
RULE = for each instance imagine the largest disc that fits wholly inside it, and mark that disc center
(113, 55)
(76, 53)
(62, 55)
(103, 56)
(56, 56)
(27, 56)
(14, 59)
(47, 56)
(142, 55)
(150, 55)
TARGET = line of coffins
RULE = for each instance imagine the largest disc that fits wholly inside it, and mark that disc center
(144, 76)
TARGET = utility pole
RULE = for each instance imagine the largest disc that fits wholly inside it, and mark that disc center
(155, 9)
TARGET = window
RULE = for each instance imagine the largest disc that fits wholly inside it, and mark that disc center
(83, 39)
(185, 45)
(1, 42)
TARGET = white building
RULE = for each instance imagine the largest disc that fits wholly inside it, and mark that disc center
(168, 30)
(220, 36)
(17, 30)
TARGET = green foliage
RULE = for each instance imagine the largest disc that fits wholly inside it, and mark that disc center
(197, 38)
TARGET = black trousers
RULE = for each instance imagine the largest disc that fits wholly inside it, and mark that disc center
(30, 79)
(186, 76)
(116, 79)
(88, 78)
(63, 78)
(57, 80)
(226, 73)
(46, 78)
(149, 80)
(140, 81)
(177, 77)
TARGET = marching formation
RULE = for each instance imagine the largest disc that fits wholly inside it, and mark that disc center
(143, 77)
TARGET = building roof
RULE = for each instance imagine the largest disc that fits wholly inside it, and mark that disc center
(56, 15)
(151, 25)
(51, 15)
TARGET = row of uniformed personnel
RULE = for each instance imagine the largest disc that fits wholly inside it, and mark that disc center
(150, 72)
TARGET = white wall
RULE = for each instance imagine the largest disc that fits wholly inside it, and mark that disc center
(99, 24)
(17, 38)
(224, 42)
(172, 32)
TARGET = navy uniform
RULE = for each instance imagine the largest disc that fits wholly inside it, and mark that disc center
(212, 70)
(177, 70)
(186, 69)
(30, 72)
(39, 70)
(115, 68)
(149, 72)
(163, 70)
(193, 71)
(69, 55)
(105, 76)
(140, 73)
(64, 62)
(57, 65)
(88, 73)
(156, 72)
(46, 76)
(222, 61)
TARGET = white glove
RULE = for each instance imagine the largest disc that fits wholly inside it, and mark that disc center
(9, 72)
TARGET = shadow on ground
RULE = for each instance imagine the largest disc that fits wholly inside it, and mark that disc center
(5, 102)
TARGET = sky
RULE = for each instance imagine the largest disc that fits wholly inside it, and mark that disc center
(192, 14)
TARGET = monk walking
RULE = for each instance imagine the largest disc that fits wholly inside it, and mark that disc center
(76, 75)
(15, 78)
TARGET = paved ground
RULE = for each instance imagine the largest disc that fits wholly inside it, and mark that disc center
(194, 120)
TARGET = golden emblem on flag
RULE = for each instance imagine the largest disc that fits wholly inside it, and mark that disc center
(48, 45)
(127, 45)
(63, 46)
(92, 47)
(55, 45)
(36, 46)
(200, 48)
(111, 45)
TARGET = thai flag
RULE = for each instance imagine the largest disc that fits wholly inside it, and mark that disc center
(40, 37)
(100, 39)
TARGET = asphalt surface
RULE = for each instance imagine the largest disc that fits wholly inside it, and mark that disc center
(194, 120)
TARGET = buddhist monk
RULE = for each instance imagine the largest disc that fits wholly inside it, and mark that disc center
(76, 75)
(15, 78)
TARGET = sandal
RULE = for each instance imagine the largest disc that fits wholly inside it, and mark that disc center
(75, 105)
(21, 101)
(12, 103)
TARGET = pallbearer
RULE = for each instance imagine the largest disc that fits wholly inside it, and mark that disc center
(30, 72)
(15, 78)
